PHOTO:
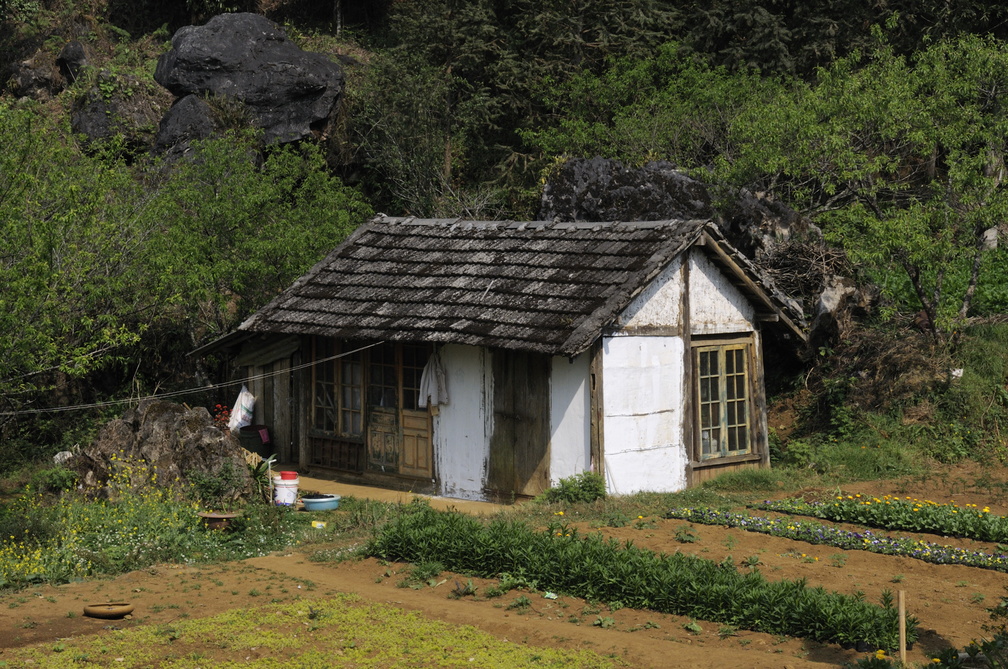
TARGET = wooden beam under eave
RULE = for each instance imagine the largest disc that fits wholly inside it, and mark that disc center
(751, 286)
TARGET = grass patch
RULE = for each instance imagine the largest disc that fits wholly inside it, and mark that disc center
(55, 539)
(752, 480)
(342, 630)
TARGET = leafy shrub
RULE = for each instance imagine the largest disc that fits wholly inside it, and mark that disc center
(219, 489)
(53, 480)
(585, 487)
(604, 570)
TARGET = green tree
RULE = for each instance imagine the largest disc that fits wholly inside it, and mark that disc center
(901, 160)
(670, 105)
(109, 279)
(230, 232)
(70, 239)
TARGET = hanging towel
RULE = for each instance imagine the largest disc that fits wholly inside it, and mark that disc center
(433, 383)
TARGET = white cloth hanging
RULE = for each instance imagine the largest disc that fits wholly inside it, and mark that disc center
(433, 383)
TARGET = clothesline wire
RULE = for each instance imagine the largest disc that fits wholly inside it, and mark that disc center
(181, 393)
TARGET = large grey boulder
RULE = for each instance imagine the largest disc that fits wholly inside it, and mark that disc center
(188, 119)
(176, 442)
(786, 245)
(72, 60)
(289, 92)
(601, 189)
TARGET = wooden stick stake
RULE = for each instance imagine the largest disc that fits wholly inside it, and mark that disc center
(901, 603)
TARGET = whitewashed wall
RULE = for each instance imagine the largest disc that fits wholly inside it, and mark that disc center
(716, 306)
(570, 417)
(462, 427)
(642, 387)
(660, 303)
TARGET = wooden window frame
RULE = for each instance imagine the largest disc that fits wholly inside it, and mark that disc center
(340, 429)
(338, 347)
(721, 345)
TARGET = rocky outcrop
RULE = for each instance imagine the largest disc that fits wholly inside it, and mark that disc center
(781, 241)
(36, 78)
(118, 106)
(175, 441)
(72, 60)
(247, 58)
(188, 119)
(601, 189)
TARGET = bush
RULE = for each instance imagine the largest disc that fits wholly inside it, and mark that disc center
(53, 540)
(53, 480)
(585, 487)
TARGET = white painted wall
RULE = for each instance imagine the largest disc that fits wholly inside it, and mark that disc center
(716, 306)
(462, 427)
(660, 303)
(642, 387)
(570, 417)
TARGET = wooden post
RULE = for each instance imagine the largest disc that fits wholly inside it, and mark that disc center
(901, 603)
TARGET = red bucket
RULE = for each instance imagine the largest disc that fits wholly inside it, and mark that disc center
(288, 476)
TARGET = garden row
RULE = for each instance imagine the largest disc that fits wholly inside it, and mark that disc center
(902, 514)
(817, 533)
(594, 568)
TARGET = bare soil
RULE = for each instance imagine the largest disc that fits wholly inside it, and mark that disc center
(949, 601)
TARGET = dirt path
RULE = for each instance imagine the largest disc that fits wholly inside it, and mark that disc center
(950, 601)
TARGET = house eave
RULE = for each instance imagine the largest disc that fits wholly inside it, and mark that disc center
(769, 307)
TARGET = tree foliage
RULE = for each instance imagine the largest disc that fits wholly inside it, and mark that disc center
(102, 264)
(670, 105)
(902, 161)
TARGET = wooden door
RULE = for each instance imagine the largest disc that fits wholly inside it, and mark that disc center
(416, 446)
(383, 440)
(519, 445)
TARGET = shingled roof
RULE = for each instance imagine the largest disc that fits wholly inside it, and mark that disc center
(545, 287)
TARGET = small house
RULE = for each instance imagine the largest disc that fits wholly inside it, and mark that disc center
(488, 360)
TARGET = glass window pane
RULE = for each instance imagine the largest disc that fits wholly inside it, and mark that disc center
(723, 420)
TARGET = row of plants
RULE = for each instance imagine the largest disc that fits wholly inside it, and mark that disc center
(817, 533)
(49, 539)
(559, 559)
(904, 514)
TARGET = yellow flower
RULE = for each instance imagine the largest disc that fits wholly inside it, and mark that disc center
(880, 654)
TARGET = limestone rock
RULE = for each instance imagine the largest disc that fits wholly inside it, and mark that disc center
(600, 189)
(188, 119)
(118, 106)
(33, 78)
(248, 58)
(176, 441)
(72, 60)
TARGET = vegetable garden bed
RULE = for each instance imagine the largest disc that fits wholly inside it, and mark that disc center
(589, 566)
